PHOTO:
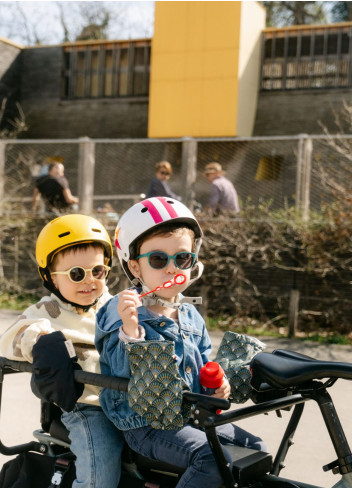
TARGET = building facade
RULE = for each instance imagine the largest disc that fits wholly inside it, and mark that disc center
(306, 78)
(211, 70)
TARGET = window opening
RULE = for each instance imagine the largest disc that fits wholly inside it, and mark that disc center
(114, 69)
(306, 58)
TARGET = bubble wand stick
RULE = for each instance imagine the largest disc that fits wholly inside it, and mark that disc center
(178, 279)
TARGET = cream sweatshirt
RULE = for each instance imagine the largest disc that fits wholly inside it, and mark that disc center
(51, 314)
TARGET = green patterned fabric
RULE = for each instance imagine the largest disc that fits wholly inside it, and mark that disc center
(234, 355)
(155, 387)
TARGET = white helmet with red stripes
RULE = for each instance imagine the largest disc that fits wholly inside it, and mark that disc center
(147, 215)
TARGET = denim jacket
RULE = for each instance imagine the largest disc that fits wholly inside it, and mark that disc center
(192, 349)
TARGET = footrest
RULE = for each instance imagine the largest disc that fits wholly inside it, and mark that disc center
(248, 464)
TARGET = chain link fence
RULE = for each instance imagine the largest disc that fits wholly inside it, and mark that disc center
(331, 171)
(262, 169)
(306, 173)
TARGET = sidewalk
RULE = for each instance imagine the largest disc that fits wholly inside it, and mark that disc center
(312, 448)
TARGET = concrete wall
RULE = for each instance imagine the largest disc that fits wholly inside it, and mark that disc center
(50, 117)
(300, 111)
(9, 52)
(10, 75)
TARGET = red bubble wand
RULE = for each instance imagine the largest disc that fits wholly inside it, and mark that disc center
(178, 279)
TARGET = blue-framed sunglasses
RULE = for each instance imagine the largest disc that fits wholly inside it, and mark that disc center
(160, 259)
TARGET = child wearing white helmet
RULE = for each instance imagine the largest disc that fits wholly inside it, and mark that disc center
(158, 241)
(74, 255)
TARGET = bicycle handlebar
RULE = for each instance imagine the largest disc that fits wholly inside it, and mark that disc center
(115, 383)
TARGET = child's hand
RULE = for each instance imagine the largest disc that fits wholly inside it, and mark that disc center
(224, 391)
(127, 309)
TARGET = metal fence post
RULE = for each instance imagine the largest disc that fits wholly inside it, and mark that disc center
(293, 311)
(86, 168)
(303, 176)
(299, 172)
(189, 170)
(2, 176)
(307, 169)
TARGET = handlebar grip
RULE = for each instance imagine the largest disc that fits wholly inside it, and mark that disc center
(107, 381)
(207, 401)
(16, 365)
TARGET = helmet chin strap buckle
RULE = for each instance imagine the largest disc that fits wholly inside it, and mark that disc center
(192, 300)
(154, 299)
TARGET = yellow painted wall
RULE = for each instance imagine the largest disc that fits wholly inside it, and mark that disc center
(194, 69)
(204, 68)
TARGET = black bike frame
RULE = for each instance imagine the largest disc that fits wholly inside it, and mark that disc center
(313, 390)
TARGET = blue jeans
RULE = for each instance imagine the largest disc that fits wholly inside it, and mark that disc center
(189, 448)
(97, 444)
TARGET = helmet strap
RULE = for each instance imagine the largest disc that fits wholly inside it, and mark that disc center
(200, 268)
(49, 284)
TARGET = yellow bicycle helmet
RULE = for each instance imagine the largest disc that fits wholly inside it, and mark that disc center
(69, 230)
(66, 231)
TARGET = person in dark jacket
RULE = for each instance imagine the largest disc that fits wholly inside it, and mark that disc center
(159, 186)
(55, 191)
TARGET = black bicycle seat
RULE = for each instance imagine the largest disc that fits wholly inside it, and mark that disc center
(293, 354)
(284, 369)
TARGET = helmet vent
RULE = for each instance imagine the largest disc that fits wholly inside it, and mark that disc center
(64, 234)
(96, 230)
(145, 209)
(170, 201)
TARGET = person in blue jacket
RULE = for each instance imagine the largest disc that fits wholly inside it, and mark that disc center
(159, 186)
(157, 240)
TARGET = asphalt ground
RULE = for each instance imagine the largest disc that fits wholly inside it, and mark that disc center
(312, 447)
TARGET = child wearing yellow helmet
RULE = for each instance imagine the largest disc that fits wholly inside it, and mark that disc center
(74, 255)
